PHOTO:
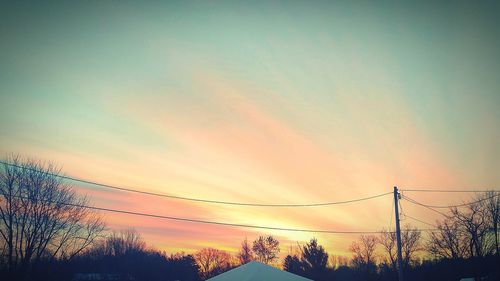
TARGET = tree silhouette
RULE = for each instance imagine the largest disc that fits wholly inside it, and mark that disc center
(182, 267)
(410, 245)
(364, 255)
(212, 262)
(364, 249)
(314, 259)
(338, 261)
(245, 254)
(473, 221)
(266, 249)
(293, 264)
(490, 202)
(119, 243)
(41, 215)
(449, 242)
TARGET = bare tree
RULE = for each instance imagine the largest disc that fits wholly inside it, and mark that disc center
(388, 241)
(410, 245)
(450, 241)
(473, 220)
(266, 249)
(212, 261)
(471, 230)
(490, 202)
(41, 215)
(245, 254)
(364, 249)
(364, 256)
(120, 243)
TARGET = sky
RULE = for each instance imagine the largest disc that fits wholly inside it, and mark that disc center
(262, 102)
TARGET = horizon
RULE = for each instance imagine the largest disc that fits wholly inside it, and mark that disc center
(260, 103)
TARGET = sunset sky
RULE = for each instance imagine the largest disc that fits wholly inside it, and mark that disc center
(283, 102)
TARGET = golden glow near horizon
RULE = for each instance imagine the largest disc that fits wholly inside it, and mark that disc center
(263, 104)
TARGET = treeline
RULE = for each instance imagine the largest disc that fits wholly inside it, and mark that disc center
(46, 233)
(124, 256)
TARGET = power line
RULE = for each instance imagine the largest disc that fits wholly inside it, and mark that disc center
(452, 191)
(196, 199)
(402, 212)
(428, 207)
(230, 224)
(423, 205)
(464, 204)
(204, 221)
(415, 219)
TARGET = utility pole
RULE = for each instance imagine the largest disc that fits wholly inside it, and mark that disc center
(398, 234)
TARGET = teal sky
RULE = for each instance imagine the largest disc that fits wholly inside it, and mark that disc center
(291, 98)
